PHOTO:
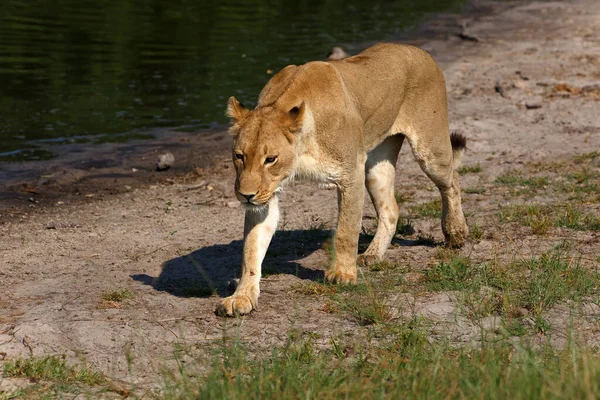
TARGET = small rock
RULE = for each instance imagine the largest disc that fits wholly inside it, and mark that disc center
(465, 35)
(521, 84)
(233, 204)
(165, 161)
(499, 89)
(337, 53)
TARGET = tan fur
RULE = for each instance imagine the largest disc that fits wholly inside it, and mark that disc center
(342, 122)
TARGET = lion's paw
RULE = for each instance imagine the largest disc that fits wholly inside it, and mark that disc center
(234, 306)
(456, 239)
(339, 276)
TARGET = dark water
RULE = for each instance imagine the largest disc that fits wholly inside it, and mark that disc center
(80, 70)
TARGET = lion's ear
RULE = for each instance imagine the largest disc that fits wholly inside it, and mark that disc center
(236, 110)
(297, 115)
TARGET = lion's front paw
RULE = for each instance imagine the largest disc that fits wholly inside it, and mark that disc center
(235, 305)
(340, 276)
(456, 238)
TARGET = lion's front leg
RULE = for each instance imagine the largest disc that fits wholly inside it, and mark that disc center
(350, 203)
(259, 227)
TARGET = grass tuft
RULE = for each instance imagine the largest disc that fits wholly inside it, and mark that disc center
(475, 190)
(117, 295)
(51, 368)
(431, 209)
(476, 232)
(383, 266)
(516, 178)
(532, 285)
(541, 217)
(455, 274)
(402, 197)
(580, 158)
(469, 169)
(365, 311)
(405, 365)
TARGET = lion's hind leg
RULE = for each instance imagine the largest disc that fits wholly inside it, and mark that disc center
(439, 158)
(380, 174)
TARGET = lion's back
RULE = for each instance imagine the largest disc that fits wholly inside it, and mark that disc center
(316, 82)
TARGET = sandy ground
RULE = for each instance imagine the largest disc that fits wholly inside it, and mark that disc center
(163, 237)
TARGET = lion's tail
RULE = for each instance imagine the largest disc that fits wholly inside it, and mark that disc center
(459, 144)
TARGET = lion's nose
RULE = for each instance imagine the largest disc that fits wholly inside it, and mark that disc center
(248, 196)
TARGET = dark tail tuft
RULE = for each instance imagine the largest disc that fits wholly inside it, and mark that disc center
(459, 144)
(459, 141)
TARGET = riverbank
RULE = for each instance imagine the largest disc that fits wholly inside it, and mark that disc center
(123, 273)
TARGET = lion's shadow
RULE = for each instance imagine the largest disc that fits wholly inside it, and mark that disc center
(210, 269)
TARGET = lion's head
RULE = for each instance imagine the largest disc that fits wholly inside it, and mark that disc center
(263, 151)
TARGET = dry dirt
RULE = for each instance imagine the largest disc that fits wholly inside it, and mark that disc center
(522, 94)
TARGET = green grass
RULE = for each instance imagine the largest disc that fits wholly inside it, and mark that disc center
(392, 357)
(52, 378)
(364, 310)
(383, 265)
(541, 217)
(534, 285)
(455, 274)
(117, 295)
(581, 158)
(516, 178)
(582, 185)
(322, 287)
(476, 232)
(402, 197)
(51, 368)
(403, 364)
(474, 190)
(431, 209)
(469, 169)
(364, 302)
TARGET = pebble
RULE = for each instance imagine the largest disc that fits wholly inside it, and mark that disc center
(165, 161)
(233, 204)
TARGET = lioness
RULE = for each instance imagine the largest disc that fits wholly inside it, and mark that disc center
(342, 122)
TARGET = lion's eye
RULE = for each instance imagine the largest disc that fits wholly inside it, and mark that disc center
(270, 160)
(239, 156)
